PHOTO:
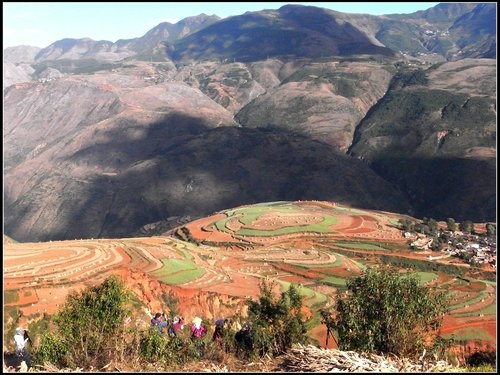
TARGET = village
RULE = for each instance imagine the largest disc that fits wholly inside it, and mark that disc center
(476, 249)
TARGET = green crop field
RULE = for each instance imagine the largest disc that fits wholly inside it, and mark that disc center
(468, 334)
(178, 271)
(425, 277)
(10, 296)
(337, 281)
(359, 245)
(313, 297)
(470, 302)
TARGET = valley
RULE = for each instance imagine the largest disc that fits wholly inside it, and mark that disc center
(213, 265)
(299, 145)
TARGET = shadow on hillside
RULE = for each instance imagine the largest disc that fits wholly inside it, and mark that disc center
(442, 188)
(179, 166)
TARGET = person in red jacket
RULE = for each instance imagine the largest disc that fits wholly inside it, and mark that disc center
(198, 330)
(177, 326)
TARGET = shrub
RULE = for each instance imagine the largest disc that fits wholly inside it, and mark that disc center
(160, 348)
(385, 311)
(154, 346)
(277, 323)
(89, 327)
(53, 350)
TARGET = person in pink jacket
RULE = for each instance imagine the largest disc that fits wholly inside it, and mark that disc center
(198, 330)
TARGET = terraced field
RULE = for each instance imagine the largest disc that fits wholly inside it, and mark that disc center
(317, 245)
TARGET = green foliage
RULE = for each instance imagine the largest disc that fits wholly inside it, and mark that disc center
(423, 265)
(451, 224)
(53, 350)
(491, 229)
(10, 296)
(466, 226)
(153, 346)
(388, 312)
(172, 302)
(433, 226)
(160, 348)
(277, 323)
(406, 224)
(410, 77)
(90, 324)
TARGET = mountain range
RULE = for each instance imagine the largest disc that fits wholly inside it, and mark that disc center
(394, 112)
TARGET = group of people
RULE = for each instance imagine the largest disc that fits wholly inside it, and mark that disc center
(198, 330)
(161, 322)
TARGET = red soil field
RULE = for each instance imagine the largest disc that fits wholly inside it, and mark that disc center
(44, 273)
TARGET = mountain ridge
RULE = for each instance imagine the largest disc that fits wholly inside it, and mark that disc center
(97, 132)
(444, 15)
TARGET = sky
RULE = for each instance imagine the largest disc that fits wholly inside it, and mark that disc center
(40, 24)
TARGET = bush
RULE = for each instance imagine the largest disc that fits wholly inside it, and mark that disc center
(53, 350)
(154, 346)
(277, 324)
(90, 326)
(385, 311)
(160, 348)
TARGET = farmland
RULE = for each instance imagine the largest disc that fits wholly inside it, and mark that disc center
(216, 263)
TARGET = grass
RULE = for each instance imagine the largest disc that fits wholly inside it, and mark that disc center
(10, 296)
(247, 215)
(491, 309)
(178, 271)
(394, 222)
(494, 283)
(313, 297)
(358, 264)
(185, 276)
(338, 281)
(470, 302)
(425, 277)
(469, 334)
(360, 245)
(322, 227)
(184, 252)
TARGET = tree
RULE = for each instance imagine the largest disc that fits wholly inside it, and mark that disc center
(89, 325)
(406, 224)
(466, 226)
(491, 229)
(451, 225)
(277, 323)
(385, 311)
(433, 226)
(171, 300)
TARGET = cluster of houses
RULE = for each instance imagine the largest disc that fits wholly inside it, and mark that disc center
(474, 249)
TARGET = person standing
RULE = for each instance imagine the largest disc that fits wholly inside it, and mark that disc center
(155, 321)
(163, 323)
(20, 340)
(219, 330)
(198, 330)
(178, 324)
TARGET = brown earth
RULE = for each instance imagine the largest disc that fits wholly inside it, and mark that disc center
(42, 274)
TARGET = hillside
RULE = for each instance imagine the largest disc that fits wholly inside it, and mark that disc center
(432, 133)
(213, 265)
(383, 112)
